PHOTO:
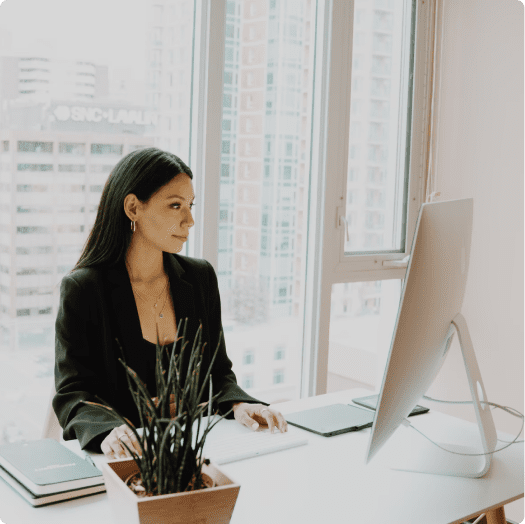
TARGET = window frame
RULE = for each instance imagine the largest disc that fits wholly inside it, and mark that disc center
(331, 64)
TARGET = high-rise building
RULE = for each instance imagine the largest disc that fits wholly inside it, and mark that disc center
(168, 72)
(42, 78)
(265, 159)
(55, 157)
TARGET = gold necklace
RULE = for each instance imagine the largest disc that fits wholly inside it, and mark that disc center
(156, 298)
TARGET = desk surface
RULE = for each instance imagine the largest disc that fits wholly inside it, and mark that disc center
(327, 480)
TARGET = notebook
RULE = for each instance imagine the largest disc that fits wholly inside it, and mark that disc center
(46, 466)
(332, 420)
(51, 498)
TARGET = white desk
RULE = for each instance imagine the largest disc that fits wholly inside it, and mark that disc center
(327, 481)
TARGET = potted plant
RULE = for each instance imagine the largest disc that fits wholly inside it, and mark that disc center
(169, 481)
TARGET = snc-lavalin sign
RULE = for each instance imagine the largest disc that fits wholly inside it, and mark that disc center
(111, 116)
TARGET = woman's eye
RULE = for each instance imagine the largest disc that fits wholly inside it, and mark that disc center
(191, 205)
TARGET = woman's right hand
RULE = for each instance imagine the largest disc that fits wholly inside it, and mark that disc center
(112, 446)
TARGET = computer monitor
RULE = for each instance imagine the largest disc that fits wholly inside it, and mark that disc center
(429, 315)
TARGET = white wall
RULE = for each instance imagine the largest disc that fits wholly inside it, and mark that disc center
(480, 154)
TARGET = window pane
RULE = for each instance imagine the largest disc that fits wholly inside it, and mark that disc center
(362, 320)
(380, 111)
(72, 106)
(264, 189)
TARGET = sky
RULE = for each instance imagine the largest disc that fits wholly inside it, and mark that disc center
(107, 32)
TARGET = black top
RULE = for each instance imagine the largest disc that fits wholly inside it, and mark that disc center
(143, 362)
(97, 311)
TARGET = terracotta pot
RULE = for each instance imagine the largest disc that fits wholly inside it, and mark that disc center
(210, 505)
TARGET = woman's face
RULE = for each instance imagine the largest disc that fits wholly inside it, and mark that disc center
(165, 219)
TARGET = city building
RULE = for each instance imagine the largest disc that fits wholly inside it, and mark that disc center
(55, 158)
(66, 123)
(265, 162)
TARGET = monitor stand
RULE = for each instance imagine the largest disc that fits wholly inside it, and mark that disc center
(413, 452)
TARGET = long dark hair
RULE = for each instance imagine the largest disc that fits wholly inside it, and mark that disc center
(143, 173)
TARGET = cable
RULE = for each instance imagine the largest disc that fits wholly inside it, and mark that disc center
(504, 408)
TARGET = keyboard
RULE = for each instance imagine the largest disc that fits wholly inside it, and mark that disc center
(248, 445)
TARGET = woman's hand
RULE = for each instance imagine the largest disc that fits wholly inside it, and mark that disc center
(112, 446)
(255, 415)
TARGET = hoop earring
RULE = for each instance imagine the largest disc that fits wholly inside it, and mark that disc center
(133, 226)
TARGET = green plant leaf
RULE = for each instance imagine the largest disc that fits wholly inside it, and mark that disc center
(169, 458)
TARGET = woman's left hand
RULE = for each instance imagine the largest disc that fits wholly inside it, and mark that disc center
(255, 415)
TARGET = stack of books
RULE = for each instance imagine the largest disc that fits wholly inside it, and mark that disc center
(45, 472)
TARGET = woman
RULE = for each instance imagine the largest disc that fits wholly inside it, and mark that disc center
(128, 285)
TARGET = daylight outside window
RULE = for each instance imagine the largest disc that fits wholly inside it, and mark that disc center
(72, 106)
(363, 314)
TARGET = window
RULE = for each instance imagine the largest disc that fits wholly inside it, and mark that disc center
(275, 82)
(378, 149)
(106, 149)
(248, 357)
(279, 353)
(71, 148)
(35, 167)
(278, 376)
(35, 147)
(62, 152)
(100, 168)
(72, 168)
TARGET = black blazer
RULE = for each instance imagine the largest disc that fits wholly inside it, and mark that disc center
(97, 307)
